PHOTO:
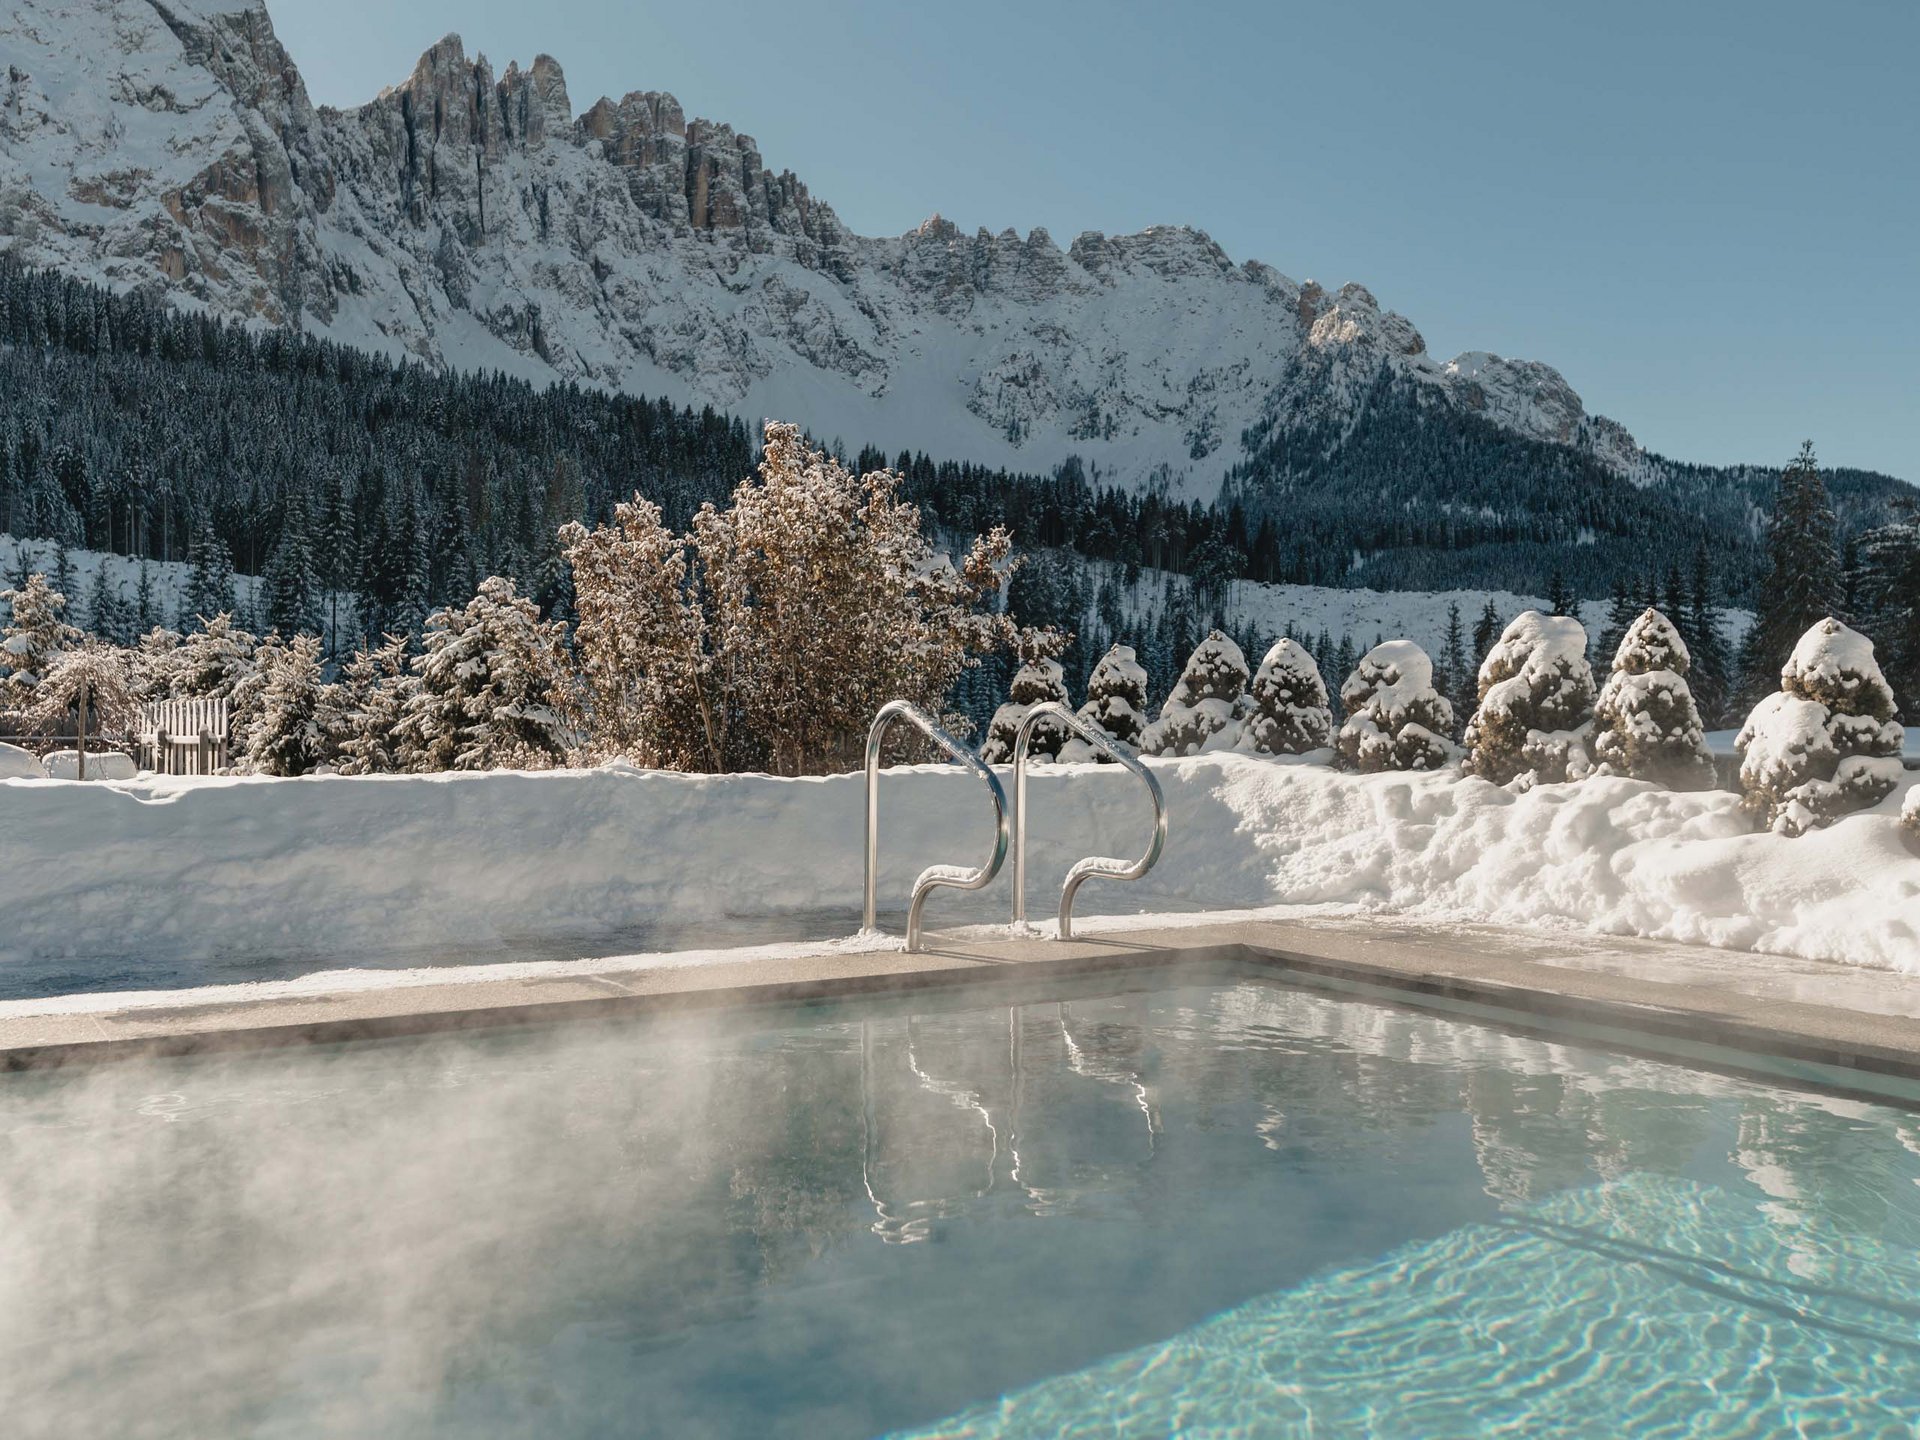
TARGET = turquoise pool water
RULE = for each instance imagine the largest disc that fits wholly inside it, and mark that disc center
(1212, 1206)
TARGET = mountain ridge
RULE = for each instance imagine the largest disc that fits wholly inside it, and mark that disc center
(476, 221)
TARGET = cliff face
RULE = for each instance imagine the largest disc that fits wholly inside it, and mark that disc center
(475, 220)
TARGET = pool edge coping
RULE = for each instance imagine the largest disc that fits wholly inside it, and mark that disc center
(1507, 979)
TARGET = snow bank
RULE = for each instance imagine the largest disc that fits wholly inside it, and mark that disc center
(19, 764)
(337, 868)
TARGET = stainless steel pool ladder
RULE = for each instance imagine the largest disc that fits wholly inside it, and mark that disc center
(934, 876)
(1093, 866)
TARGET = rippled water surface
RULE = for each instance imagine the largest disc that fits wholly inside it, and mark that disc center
(1221, 1208)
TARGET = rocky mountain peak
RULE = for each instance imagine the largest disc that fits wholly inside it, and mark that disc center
(471, 219)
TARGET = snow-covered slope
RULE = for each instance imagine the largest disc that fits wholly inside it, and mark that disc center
(166, 581)
(477, 221)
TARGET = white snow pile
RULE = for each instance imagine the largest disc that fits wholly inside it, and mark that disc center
(19, 764)
(339, 867)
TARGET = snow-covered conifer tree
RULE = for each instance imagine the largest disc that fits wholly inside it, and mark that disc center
(1206, 709)
(1039, 679)
(34, 638)
(211, 662)
(291, 599)
(156, 660)
(1116, 704)
(1825, 743)
(284, 735)
(1645, 724)
(106, 611)
(1396, 718)
(210, 589)
(1290, 711)
(1536, 704)
(489, 673)
(361, 710)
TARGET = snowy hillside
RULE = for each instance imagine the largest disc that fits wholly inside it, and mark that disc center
(1372, 615)
(166, 581)
(479, 221)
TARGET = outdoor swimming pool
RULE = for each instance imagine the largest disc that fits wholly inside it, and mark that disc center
(1205, 1204)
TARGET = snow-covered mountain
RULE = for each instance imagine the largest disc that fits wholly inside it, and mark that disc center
(476, 220)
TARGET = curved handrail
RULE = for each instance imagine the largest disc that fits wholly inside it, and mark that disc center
(934, 876)
(1105, 867)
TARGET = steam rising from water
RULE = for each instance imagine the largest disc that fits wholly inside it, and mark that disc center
(818, 1223)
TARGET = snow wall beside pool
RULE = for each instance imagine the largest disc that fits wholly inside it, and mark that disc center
(339, 868)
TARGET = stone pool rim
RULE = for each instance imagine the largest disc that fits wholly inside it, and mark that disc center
(1597, 992)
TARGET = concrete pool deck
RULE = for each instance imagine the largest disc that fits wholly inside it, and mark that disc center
(1805, 1022)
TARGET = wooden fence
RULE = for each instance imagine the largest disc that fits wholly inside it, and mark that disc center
(184, 737)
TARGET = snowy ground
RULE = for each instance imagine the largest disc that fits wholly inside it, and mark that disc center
(340, 871)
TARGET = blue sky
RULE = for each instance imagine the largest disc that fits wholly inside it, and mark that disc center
(1706, 215)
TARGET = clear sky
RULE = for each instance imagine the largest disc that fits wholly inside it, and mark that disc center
(1705, 214)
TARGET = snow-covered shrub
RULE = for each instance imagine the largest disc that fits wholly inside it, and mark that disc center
(360, 710)
(34, 638)
(1536, 704)
(1397, 719)
(1645, 724)
(1910, 817)
(1290, 711)
(284, 734)
(1116, 704)
(1039, 680)
(488, 675)
(769, 635)
(1825, 743)
(93, 672)
(1209, 705)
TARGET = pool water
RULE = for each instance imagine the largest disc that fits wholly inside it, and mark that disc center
(1205, 1205)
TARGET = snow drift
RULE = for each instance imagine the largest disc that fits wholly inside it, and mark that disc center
(342, 868)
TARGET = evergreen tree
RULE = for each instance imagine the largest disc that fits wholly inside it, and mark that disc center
(1560, 599)
(1802, 585)
(1536, 704)
(210, 589)
(1645, 723)
(1890, 603)
(146, 614)
(487, 698)
(1038, 680)
(1622, 611)
(1207, 707)
(1454, 675)
(292, 591)
(285, 735)
(1711, 678)
(1290, 714)
(33, 640)
(1486, 633)
(106, 612)
(364, 707)
(1396, 719)
(1828, 740)
(1116, 703)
